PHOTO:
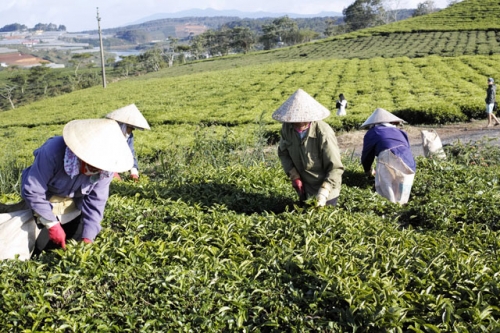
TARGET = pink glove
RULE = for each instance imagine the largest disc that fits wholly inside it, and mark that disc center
(297, 185)
(116, 176)
(86, 240)
(57, 235)
(134, 177)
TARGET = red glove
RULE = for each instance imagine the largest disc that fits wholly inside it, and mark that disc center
(86, 240)
(297, 185)
(116, 176)
(57, 235)
(134, 177)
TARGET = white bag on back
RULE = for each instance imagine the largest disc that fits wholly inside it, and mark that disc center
(393, 178)
(18, 234)
(432, 145)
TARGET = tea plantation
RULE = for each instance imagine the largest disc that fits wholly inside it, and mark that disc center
(212, 239)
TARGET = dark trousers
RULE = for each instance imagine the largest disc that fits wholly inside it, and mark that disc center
(73, 230)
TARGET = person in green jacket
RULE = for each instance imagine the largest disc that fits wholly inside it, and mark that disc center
(308, 149)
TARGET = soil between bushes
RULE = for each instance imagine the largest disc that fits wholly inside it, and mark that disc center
(465, 132)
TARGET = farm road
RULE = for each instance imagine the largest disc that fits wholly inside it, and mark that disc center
(449, 134)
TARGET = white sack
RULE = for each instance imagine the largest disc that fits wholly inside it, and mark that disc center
(393, 178)
(432, 145)
(18, 234)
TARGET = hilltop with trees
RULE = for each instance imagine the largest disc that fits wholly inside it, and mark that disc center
(39, 26)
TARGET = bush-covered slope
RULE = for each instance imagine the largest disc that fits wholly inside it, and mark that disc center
(211, 242)
(465, 15)
(470, 27)
(423, 90)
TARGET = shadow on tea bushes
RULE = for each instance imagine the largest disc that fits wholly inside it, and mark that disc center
(446, 195)
(234, 198)
(233, 187)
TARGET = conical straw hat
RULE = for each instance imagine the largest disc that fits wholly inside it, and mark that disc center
(300, 108)
(381, 116)
(129, 115)
(100, 143)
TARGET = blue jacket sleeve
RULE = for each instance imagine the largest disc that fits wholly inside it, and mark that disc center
(36, 178)
(93, 208)
(368, 154)
(130, 142)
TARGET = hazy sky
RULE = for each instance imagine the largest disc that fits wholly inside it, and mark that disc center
(78, 15)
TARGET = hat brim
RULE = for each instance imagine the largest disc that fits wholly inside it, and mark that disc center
(100, 143)
(300, 107)
(131, 116)
(380, 116)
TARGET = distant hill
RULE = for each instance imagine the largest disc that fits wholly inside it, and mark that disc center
(184, 26)
(209, 12)
(195, 21)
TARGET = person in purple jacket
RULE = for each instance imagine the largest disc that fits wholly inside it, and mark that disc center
(67, 185)
(130, 118)
(382, 135)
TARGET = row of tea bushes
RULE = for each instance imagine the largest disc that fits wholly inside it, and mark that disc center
(217, 244)
(212, 248)
(430, 90)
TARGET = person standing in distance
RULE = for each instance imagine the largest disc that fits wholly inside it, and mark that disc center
(129, 118)
(308, 149)
(341, 105)
(490, 101)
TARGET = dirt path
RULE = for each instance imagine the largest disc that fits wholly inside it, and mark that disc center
(465, 132)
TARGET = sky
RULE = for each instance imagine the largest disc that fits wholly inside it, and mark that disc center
(80, 15)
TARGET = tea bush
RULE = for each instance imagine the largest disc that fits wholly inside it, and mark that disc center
(432, 113)
(212, 239)
(209, 241)
(427, 90)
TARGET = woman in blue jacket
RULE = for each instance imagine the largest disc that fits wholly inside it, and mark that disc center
(129, 118)
(70, 178)
(382, 135)
(396, 166)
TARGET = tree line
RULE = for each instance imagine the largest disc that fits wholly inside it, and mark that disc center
(20, 86)
(244, 35)
(39, 26)
(24, 86)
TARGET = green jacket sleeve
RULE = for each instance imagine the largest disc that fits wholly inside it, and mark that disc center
(284, 156)
(332, 164)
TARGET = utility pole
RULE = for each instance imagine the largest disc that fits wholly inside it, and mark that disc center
(102, 50)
